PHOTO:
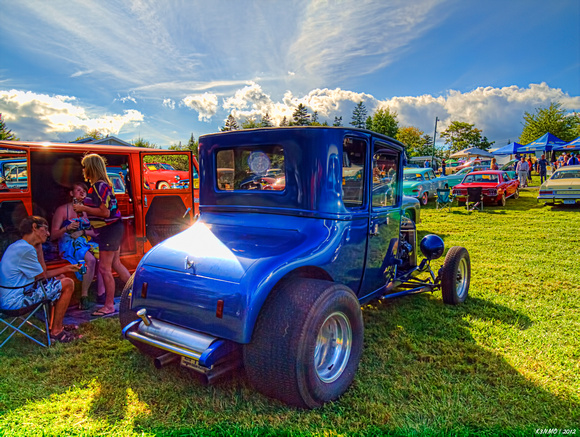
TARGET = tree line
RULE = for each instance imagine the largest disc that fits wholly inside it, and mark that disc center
(459, 135)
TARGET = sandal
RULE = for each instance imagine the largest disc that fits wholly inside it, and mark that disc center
(101, 313)
(84, 303)
(63, 337)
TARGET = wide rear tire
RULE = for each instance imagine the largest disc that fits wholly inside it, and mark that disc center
(425, 198)
(501, 201)
(456, 276)
(127, 315)
(307, 343)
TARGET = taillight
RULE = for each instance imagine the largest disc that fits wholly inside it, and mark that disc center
(546, 193)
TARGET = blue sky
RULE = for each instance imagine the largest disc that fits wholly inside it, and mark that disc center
(163, 70)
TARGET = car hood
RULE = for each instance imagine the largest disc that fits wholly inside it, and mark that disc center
(220, 251)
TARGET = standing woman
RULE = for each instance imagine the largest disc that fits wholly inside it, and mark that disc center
(101, 208)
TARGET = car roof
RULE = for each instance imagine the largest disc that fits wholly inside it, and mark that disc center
(487, 172)
(415, 170)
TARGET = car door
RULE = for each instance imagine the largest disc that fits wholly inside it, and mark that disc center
(168, 204)
(385, 217)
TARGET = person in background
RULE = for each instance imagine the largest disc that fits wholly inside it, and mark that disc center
(522, 172)
(573, 160)
(23, 266)
(530, 168)
(543, 168)
(71, 230)
(426, 164)
(443, 165)
(493, 165)
(100, 205)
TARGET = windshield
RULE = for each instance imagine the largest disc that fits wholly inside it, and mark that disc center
(413, 177)
(566, 174)
(482, 178)
(166, 166)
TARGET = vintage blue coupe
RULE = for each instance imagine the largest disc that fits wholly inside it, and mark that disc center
(273, 279)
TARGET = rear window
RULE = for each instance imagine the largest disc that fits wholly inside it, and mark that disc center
(481, 178)
(250, 168)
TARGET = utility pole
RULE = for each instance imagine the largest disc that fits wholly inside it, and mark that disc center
(433, 166)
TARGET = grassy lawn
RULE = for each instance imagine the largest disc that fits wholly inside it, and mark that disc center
(505, 363)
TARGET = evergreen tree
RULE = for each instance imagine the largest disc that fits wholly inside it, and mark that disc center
(314, 119)
(300, 116)
(552, 119)
(337, 121)
(266, 121)
(142, 143)
(359, 115)
(250, 123)
(231, 124)
(5, 133)
(284, 122)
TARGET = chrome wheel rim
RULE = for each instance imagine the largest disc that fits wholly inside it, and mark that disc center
(333, 346)
(461, 284)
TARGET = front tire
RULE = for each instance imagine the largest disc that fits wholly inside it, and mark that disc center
(163, 185)
(127, 315)
(517, 193)
(307, 343)
(501, 201)
(456, 275)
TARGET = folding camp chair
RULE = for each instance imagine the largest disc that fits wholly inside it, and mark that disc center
(474, 199)
(23, 321)
(444, 199)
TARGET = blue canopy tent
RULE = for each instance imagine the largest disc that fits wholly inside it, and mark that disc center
(572, 145)
(543, 144)
(510, 149)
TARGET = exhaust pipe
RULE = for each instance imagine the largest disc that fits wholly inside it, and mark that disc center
(165, 359)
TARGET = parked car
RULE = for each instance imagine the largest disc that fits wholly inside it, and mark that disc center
(496, 186)
(563, 186)
(274, 280)
(13, 173)
(422, 183)
(456, 178)
(509, 168)
(161, 176)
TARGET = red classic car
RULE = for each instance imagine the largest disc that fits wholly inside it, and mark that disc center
(162, 176)
(496, 186)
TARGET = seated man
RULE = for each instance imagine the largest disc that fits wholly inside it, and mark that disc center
(20, 267)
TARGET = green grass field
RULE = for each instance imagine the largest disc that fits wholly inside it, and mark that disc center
(507, 362)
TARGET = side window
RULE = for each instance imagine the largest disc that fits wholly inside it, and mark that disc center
(385, 167)
(13, 170)
(427, 175)
(354, 152)
(164, 172)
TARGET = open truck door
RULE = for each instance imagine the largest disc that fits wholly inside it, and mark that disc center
(170, 193)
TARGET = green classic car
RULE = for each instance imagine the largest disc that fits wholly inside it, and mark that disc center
(421, 183)
(455, 179)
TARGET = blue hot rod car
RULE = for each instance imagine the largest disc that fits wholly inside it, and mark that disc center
(272, 275)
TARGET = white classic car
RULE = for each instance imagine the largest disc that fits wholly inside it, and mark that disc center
(563, 186)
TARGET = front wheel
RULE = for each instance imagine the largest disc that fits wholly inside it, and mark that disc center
(501, 201)
(163, 185)
(307, 343)
(456, 275)
(425, 198)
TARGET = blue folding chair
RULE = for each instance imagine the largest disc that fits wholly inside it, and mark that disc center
(444, 199)
(22, 321)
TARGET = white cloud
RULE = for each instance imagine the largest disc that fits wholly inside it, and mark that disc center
(205, 104)
(168, 103)
(125, 99)
(40, 116)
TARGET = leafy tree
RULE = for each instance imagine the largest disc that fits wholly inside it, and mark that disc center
(369, 123)
(250, 123)
(300, 116)
(552, 119)
(231, 124)
(266, 121)
(337, 121)
(460, 135)
(384, 121)
(142, 143)
(95, 134)
(418, 144)
(5, 133)
(359, 115)
(284, 122)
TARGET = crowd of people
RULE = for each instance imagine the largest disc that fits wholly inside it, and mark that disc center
(86, 228)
